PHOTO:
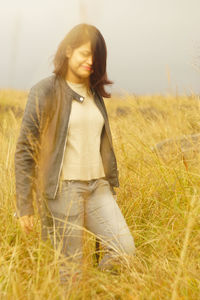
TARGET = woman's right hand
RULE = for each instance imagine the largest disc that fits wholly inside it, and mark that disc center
(26, 223)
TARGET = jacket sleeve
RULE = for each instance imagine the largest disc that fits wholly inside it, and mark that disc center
(26, 153)
(102, 101)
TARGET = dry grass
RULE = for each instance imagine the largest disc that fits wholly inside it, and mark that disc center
(159, 199)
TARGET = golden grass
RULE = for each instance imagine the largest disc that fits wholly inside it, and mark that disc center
(159, 199)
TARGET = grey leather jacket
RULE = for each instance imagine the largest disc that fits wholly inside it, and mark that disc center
(42, 140)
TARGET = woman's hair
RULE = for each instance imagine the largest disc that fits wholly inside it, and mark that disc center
(78, 35)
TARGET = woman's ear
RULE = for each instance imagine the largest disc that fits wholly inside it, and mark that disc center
(68, 51)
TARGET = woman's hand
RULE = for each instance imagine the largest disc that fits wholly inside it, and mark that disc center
(26, 223)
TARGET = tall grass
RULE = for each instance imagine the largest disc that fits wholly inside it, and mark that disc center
(158, 195)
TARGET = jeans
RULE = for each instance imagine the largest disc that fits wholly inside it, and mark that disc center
(91, 205)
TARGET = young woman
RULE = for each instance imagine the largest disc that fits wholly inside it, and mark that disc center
(65, 156)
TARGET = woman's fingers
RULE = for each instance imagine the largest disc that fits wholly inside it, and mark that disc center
(26, 223)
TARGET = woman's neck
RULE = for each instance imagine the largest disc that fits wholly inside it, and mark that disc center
(75, 79)
(79, 87)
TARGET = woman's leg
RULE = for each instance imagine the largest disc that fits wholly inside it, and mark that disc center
(104, 219)
(66, 234)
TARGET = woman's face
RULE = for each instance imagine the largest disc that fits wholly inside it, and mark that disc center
(79, 63)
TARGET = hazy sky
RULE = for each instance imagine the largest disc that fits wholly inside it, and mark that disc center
(153, 45)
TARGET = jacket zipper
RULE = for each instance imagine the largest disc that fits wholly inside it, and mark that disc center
(62, 158)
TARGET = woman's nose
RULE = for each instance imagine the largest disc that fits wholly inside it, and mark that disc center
(89, 60)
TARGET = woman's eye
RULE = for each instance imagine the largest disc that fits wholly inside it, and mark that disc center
(85, 53)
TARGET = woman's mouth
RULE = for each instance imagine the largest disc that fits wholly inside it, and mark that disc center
(87, 68)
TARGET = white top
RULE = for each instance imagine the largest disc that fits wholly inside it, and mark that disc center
(82, 158)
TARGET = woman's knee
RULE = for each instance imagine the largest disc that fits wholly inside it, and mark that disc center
(123, 244)
(128, 245)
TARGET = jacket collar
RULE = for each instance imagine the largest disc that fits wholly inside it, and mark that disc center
(75, 95)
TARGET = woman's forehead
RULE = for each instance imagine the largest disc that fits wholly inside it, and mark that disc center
(86, 46)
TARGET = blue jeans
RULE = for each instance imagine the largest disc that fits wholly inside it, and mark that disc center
(91, 205)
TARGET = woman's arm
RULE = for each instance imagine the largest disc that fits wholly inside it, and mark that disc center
(26, 153)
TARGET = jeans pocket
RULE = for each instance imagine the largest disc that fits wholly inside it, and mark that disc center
(71, 200)
(111, 188)
(103, 181)
(64, 203)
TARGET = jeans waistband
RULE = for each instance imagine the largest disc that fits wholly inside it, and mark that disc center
(87, 181)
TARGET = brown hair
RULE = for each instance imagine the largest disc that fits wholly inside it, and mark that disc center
(78, 35)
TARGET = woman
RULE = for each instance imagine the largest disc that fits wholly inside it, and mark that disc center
(65, 155)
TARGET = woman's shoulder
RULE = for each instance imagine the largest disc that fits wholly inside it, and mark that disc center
(45, 85)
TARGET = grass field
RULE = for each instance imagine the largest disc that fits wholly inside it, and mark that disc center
(158, 195)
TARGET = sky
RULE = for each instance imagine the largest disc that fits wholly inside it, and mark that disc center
(153, 45)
